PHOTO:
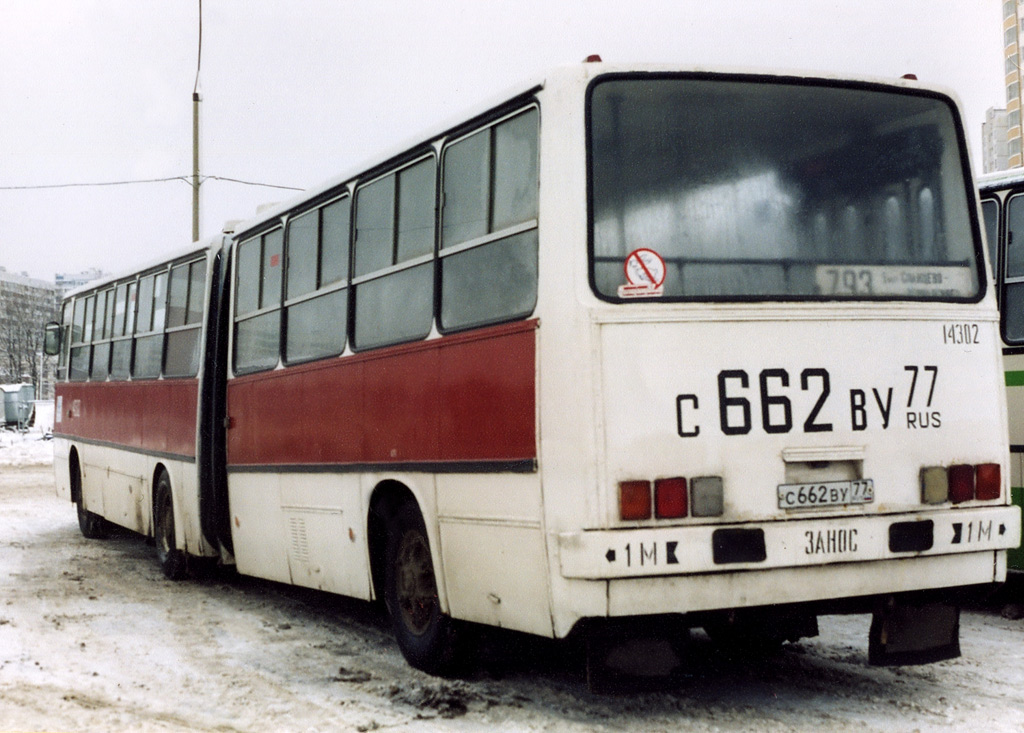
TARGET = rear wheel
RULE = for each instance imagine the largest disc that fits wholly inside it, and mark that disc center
(172, 560)
(429, 639)
(92, 526)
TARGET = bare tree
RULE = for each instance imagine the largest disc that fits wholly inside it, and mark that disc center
(24, 309)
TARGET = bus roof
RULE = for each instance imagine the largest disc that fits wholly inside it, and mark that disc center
(274, 211)
(1000, 179)
(586, 70)
(194, 248)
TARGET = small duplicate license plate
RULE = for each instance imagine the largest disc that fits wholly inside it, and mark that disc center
(826, 493)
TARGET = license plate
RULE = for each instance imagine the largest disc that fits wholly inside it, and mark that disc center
(826, 493)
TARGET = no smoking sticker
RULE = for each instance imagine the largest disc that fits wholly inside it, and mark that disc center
(645, 274)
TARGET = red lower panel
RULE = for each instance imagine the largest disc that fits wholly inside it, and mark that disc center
(156, 416)
(469, 397)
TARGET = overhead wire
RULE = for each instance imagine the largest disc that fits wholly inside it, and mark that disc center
(185, 179)
(251, 183)
(91, 184)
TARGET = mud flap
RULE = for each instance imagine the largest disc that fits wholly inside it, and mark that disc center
(905, 632)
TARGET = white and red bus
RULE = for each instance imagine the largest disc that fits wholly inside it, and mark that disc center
(631, 345)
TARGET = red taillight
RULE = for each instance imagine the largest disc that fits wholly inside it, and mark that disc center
(634, 500)
(961, 483)
(988, 482)
(670, 498)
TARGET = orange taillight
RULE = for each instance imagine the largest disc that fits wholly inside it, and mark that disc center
(634, 500)
(988, 482)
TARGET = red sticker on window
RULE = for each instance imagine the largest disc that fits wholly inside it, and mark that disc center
(645, 267)
(274, 260)
(645, 274)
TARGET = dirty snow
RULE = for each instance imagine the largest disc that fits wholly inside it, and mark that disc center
(93, 638)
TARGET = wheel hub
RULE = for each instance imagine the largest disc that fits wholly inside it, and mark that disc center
(416, 589)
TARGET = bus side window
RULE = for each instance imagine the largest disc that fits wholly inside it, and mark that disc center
(101, 340)
(90, 312)
(80, 350)
(394, 268)
(124, 319)
(184, 315)
(149, 326)
(316, 305)
(62, 357)
(990, 218)
(1013, 272)
(489, 224)
(258, 302)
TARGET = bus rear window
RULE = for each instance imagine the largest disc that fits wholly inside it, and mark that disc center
(731, 189)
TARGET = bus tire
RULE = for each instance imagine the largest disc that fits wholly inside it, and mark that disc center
(92, 526)
(429, 639)
(172, 560)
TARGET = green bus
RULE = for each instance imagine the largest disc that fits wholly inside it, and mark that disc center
(1002, 204)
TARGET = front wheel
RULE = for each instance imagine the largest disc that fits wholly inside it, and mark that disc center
(429, 639)
(172, 560)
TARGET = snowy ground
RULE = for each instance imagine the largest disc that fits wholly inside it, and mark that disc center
(92, 637)
(31, 448)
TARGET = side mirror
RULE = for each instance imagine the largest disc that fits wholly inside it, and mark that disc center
(51, 339)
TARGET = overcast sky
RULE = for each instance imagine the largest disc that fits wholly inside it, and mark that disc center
(297, 92)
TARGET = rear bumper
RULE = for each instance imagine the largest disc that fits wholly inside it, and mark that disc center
(632, 584)
(847, 588)
(796, 543)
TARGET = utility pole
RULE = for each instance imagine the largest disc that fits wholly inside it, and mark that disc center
(197, 98)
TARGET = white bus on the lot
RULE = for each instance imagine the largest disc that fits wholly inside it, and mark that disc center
(630, 346)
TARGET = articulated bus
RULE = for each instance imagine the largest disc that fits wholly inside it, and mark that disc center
(1002, 205)
(631, 348)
